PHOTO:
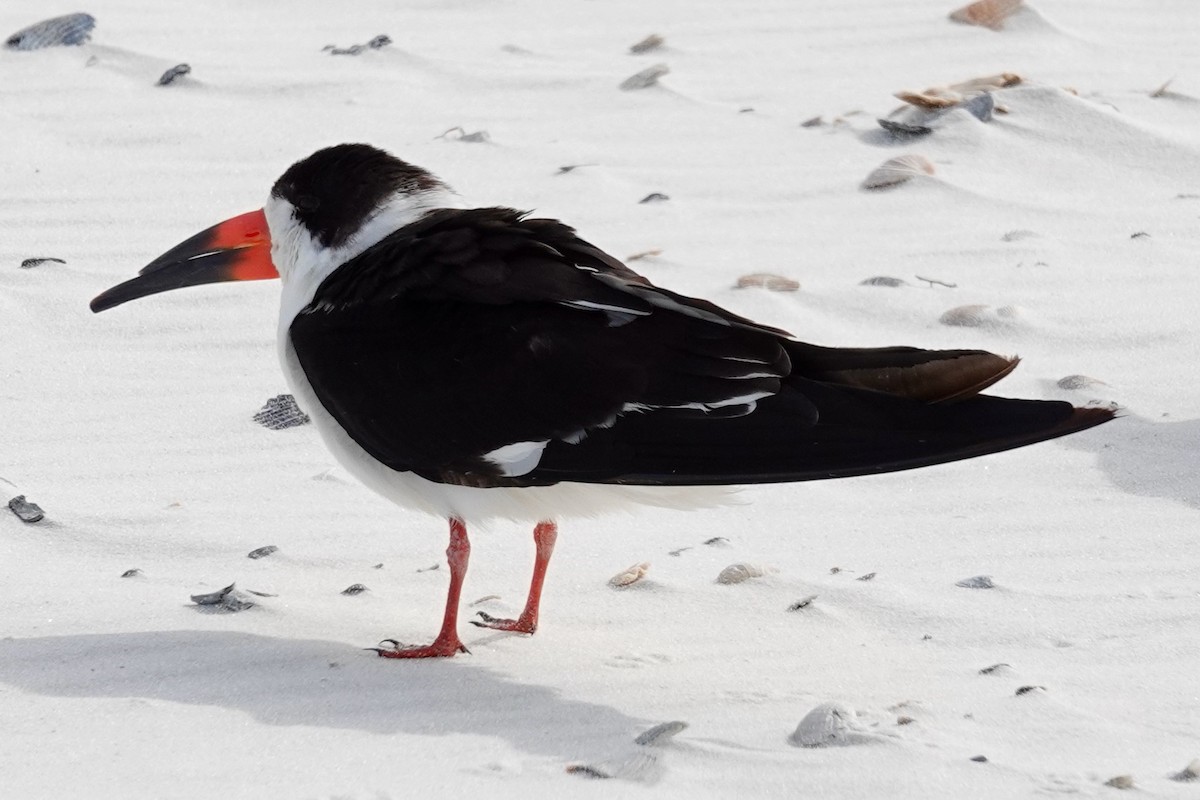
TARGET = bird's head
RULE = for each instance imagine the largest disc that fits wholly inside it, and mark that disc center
(324, 210)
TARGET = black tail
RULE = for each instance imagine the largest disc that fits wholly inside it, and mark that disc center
(840, 414)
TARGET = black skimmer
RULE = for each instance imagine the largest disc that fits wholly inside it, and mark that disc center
(477, 363)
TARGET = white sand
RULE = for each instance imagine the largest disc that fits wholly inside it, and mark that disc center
(133, 429)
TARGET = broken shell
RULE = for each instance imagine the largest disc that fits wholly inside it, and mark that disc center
(996, 669)
(353, 589)
(212, 598)
(644, 79)
(1120, 782)
(737, 573)
(773, 283)
(177, 71)
(651, 42)
(1001, 80)
(1189, 773)
(896, 171)
(979, 759)
(630, 575)
(930, 99)
(977, 582)
(979, 316)
(131, 573)
(987, 13)
(883, 280)
(870, 576)
(812, 122)
(281, 412)
(660, 733)
(261, 552)
(30, 263)
(829, 725)
(902, 130)
(1077, 382)
(71, 29)
(654, 197)
(804, 602)
(25, 510)
(717, 541)
(1030, 689)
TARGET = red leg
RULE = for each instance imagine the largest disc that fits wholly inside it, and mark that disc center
(447, 642)
(544, 536)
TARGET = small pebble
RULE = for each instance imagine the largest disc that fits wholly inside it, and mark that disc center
(262, 552)
(26, 511)
(650, 43)
(979, 759)
(905, 720)
(1139, 235)
(30, 263)
(654, 197)
(629, 576)
(1120, 782)
(1189, 773)
(812, 122)
(280, 413)
(644, 79)
(72, 29)
(977, 582)
(884, 280)
(738, 573)
(661, 733)
(131, 573)
(802, 603)
(175, 72)
(353, 589)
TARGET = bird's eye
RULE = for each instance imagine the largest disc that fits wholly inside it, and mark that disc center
(307, 202)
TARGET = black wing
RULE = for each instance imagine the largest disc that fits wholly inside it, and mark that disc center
(472, 331)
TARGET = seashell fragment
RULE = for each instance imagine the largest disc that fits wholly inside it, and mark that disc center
(262, 552)
(1029, 690)
(884, 280)
(996, 669)
(353, 589)
(645, 254)
(902, 130)
(30, 263)
(1120, 782)
(651, 42)
(977, 582)
(281, 412)
(382, 40)
(224, 600)
(768, 281)
(930, 99)
(661, 733)
(1078, 382)
(739, 573)
(987, 13)
(717, 541)
(71, 29)
(629, 576)
(870, 576)
(803, 602)
(175, 72)
(131, 573)
(812, 122)
(979, 759)
(979, 316)
(1189, 773)
(896, 171)
(26, 511)
(830, 725)
(644, 79)
(654, 197)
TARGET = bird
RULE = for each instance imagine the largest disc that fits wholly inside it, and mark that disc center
(480, 362)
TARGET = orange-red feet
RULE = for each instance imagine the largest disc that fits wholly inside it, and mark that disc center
(447, 643)
(544, 536)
